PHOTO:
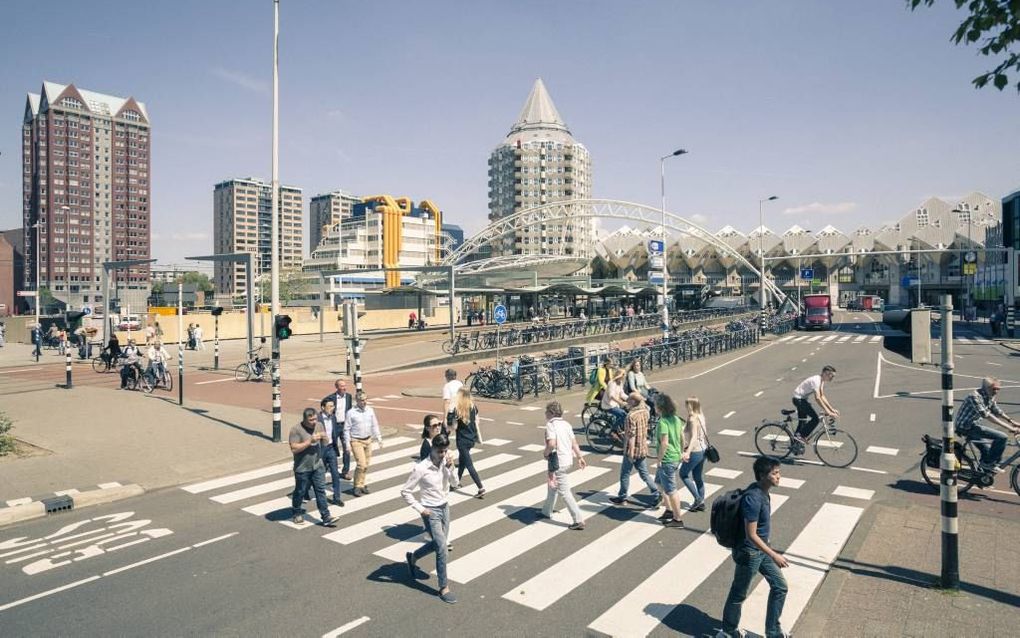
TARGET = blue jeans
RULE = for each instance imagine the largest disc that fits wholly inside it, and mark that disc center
(694, 467)
(666, 477)
(748, 561)
(620, 415)
(641, 465)
(437, 524)
(317, 479)
(329, 460)
(991, 453)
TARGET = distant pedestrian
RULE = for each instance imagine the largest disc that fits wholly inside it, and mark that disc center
(159, 331)
(37, 339)
(191, 336)
(450, 389)
(305, 439)
(199, 345)
(560, 441)
(693, 459)
(331, 445)
(431, 426)
(362, 427)
(433, 477)
(754, 554)
(343, 402)
(412, 320)
(468, 434)
(635, 448)
(671, 443)
(3, 334)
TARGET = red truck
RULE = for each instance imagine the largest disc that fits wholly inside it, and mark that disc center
(817, 312)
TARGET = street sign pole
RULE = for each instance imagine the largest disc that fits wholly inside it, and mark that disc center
(948, 489)
(499, 314)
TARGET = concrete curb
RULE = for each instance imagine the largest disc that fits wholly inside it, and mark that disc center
(39, 509)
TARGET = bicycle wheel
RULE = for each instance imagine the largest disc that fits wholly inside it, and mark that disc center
(599, 434)
(242, 372)
(168, 381)
(588, 413)
(146, 384)
(773, 439)
(449, 347)
(836, 448)
(1014, 479)
(100, 365)
(931, 471)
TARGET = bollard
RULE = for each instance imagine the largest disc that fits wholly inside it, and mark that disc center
(67, 364)
(948, 489)
(357, 364)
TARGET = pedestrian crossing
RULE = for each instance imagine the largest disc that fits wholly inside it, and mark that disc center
(867, 339)
(501, 535)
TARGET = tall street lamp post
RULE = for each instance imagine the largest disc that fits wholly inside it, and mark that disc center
(662, 228)
(38, 278)
(761, 256)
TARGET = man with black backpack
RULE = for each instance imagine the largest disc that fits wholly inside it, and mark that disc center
(746, 529)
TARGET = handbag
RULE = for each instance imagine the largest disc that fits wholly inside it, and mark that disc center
(711, 453)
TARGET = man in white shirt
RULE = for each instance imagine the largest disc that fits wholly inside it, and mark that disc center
(434, 476)
(560, 441)
(198, 338)
(362, 427)
(806, 414)
(453, 384)
(343, 402)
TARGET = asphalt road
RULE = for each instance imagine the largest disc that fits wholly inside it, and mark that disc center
(196, 563)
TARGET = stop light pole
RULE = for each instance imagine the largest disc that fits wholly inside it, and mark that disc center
(275, 230)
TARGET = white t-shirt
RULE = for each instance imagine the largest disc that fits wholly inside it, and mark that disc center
(808, 387)
(560, 431)
(450, 393)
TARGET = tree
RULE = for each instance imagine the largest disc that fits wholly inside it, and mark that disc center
(293, 285)
(995, 25)
(200, 280)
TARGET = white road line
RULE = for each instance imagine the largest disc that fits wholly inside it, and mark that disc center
(514, 423)
(779, 379)
(365, 529)
(343, 629)
(729, 414)
(791, 483)
(983, 340)
(888, 451)
(962, 340)
(532, 447)
(843, 339)
(530, 408)
(799, 339)
(497, 442)
(828, 339)
(866, 469)
(488, 515)
(507, 548)
(393, 396)
(49, 592)
(730, 432)
(146, 561)
(875, 339)
(998, 365)
(576, 569)
(72, 491)
(810, 556)
(759, 393)
(795, 367)
(860, 338)
(352, 505)
(723, 473)
(813, 339)
(213, 381)
(613, 459)
(19, 501)
(107, 486)
(262, 472)
(853, 492)
(871, 417)
(18, 370)
(215, 540)
(485, 418)
(784, 339)
(669, 586)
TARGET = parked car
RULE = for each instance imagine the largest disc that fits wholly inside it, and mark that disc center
(129, 322)
(896, 316)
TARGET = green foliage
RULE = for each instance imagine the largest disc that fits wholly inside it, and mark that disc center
(995, 26)
(6, 440)
(200, 280)
(293, 285)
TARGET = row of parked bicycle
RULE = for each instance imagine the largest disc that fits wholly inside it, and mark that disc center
(489, 339)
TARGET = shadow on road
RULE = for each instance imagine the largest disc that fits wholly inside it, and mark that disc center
(397, 573)
(205, 414)
(686, 620)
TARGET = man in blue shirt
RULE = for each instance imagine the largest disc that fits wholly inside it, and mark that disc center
(755, 555)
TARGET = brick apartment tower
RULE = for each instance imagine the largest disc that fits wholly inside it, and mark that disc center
(86, 181)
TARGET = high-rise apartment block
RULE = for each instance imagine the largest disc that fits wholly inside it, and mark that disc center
(539, 163)
(242, 222)
(86, 183)
(326, 211)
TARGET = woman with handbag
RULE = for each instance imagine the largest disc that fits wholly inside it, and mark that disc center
(694, 454)
(468, 434)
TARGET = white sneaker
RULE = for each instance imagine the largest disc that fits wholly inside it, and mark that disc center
(994, 469)
(740, 634)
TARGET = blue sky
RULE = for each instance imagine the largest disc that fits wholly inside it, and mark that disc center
(852, 112)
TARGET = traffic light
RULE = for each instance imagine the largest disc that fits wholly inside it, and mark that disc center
(282, 327)
(217, 311)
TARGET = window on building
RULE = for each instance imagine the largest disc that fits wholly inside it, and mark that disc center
(921, 215)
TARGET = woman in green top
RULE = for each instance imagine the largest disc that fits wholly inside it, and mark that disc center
(671, 445)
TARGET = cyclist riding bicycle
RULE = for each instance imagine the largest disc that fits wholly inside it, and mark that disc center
(613, 399)
(131, 367)
(980, 404)
(806, 415)
(157, 356)
(598, 388)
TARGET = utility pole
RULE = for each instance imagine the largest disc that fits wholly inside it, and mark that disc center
(180, 343)
(948, 476)
(275, 232)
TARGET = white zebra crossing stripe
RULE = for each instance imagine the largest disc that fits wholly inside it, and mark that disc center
(14, 502)
(963, 339)
(405, 514)
(669, 586)
(810, 556)
(284, 483)
(828, 339)
(799, 339)
(843, 339)
(262, 472)
(813, 339)
(853, 492)
(576, 569)
(723, 473)
(509, 547)
(791, 483)
(532, 447)
(860, 338)
(368, 500)
(730, 432)
(875, 339)
(785, 338)
(888, 451)
(488, 515)
(497, 442)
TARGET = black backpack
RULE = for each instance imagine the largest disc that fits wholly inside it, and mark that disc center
(727, 523)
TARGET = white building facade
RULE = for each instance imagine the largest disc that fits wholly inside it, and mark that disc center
(326, 211)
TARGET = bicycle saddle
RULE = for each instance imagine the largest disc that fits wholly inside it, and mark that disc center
(787, 412)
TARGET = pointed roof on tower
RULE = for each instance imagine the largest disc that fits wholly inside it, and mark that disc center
(539, 119)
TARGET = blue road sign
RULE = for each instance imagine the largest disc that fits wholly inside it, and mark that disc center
(655, 246)
(499, 314)
(807, 273)
(909, 281)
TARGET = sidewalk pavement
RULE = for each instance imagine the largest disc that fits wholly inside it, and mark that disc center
(92, 436)
(882, 583)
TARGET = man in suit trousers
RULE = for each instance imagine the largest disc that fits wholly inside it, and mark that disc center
(343, 402)
(334, 437)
